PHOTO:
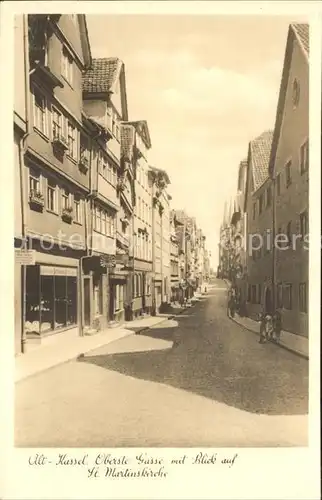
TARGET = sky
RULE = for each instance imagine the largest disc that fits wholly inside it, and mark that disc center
(206, 85)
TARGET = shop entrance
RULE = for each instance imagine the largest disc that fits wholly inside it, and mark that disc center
(87, 301)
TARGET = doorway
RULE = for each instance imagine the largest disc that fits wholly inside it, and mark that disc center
(87, 301)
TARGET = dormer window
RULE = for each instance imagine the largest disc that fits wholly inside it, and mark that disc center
(67, 66)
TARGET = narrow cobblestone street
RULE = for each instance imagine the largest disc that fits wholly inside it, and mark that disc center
(197, 380)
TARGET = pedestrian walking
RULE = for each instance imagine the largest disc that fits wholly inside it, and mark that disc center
(277, 324)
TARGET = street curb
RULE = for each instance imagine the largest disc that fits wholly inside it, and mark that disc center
(172, 316)
(81, 355)
(289, 349)
(74, 357)
(297, 353)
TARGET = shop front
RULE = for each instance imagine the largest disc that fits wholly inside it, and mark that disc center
(118, 280)
(51, 300)
(96, 292)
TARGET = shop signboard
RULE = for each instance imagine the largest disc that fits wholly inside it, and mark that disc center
(58, 271)
(25, 257)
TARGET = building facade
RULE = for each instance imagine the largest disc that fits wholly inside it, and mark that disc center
(95, 240)
(259, 209)
(142, 224)
(21, 91)
(111, 196)
(289, 167)
(160, 238)
(174, 258)
(239, 237)
(54, 183)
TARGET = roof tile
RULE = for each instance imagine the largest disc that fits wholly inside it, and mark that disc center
(261, 149)
(102, 75)
(302, 31)
(127, 140)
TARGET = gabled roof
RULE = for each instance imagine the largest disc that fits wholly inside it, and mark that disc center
(258, 159)
(299, 32)
(142, 128)
(260, 150)
(302, 33)
(102, 76)
(127, 139)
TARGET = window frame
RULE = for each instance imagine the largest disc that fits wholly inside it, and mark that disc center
(304, 166)
(74, 138)
(304, 216)
(61, 126)
(55, 196)
(36, 176)
(288, 304)
(303, 302)
(77, 202)
(65, 197)
(44, 111)
(67, 66)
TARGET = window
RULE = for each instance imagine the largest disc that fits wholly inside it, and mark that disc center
(304, 157)
(34, 181)
(289, 234)
(72, 140)
(104, 221)
(97, 220)
(98, 295)
(279, 295)
(288, 173)
(118, 305)
(40, 112)
(66, 198)
(304, 224)
(56, 123)
(278, 184)
(269, 196)
(303, 297)
(51, 195)
(287, 296)
(254, 210)
(84, 148)
(296, 93)
(67, 66)
(254, 294)
(104, 225)
(51, 300)
(102, 165)
(77, 209)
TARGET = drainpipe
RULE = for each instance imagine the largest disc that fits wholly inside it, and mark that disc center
(23, 187)
(153, 252)
(274, 249)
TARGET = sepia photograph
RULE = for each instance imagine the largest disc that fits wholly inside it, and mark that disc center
(161, 231)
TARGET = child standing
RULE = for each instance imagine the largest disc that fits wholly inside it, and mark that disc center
(262, 329)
